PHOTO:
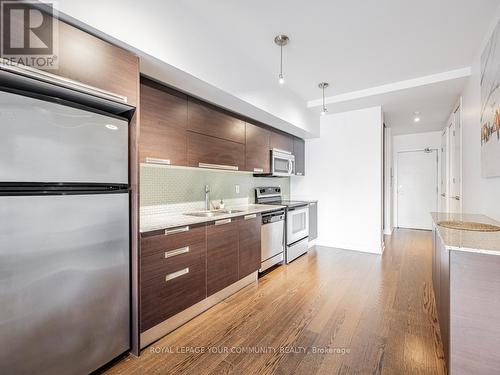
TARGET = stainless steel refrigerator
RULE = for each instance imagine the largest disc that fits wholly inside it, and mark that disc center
(64, 235)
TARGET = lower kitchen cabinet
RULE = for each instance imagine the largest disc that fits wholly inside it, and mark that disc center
(249, 230)
(173, 274)
(222, 254)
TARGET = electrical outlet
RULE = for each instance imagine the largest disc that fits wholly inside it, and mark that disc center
(237, 188)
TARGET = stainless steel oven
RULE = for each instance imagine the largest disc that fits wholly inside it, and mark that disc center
(297, 223)
(282, 163)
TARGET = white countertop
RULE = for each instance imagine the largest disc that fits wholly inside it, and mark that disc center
(154, 222)
(464, 240)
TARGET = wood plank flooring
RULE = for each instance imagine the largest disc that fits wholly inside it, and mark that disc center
(329, 312)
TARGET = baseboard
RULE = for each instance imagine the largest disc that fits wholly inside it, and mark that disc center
(157, 332)
(311, 244)
(355, 247)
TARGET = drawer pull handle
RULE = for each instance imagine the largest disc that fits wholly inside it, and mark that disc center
(218, 166)
(259, 170)
(176, 274)
(176, 230)
(252, 216)
(173, 253)
(222, 222)
(158, 161)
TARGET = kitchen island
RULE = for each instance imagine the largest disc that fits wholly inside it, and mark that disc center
(466, 281)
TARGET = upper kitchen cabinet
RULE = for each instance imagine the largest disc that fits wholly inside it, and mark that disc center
(163, 117)
(299, 153)
(84, 58)
(281, 141)
(206, 119)
(257, 156)
(211, 152)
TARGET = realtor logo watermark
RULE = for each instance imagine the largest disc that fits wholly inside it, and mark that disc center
(29, 33)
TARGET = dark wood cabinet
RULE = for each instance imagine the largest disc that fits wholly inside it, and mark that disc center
(173, 275)
(299, 151)
(206, 119)
(257, 155)
(163, 119)
(87, 59)
(222, 255)
(281, 141)
(249, 229)
(203, 150)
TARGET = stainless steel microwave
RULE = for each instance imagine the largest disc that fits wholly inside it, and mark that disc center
(282, 163)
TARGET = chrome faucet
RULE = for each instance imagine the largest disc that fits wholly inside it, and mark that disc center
(207, 197)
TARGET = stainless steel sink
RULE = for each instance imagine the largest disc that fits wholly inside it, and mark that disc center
(469, 225)
(212, 213)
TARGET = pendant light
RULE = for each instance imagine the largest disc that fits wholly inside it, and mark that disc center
(323, 86)
(281, 40)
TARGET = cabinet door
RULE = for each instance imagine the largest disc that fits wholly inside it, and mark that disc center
(281, 141)
(163, 125)
(205, 119)
(249, 228)
(257, 155)
(203, 149)
(299, 150)
(222, 255)
(97, 63)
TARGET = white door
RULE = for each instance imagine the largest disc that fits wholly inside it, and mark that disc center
(417, 188)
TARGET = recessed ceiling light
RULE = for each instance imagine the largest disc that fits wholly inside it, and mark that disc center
(111, 127)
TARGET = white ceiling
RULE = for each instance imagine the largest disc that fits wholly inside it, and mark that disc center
(351, 44)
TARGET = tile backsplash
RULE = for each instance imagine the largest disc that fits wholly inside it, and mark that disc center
(164, 188)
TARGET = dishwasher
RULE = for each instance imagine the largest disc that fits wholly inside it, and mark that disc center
(272, 239)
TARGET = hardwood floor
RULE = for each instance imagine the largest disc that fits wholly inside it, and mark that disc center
(339, 312)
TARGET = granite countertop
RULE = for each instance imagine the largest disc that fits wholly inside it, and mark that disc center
(155, 222)
(464, 240)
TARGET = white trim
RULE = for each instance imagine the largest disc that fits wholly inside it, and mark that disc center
(395, 86)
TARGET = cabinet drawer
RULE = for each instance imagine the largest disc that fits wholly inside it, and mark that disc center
(171, 239)
(171, 261)
(169, 293)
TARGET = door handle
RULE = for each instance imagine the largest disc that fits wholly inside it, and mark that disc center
(443, 195)
(456, 197)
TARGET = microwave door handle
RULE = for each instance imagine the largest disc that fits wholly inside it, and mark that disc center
(290, 166)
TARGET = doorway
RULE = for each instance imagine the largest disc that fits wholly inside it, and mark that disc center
(417, 188)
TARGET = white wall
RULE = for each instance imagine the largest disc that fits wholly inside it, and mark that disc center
(478, 193)
(409, 142)
(344, 172)
(388, 178)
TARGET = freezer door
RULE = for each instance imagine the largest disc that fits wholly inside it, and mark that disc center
(47, 142)
(64, 282)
